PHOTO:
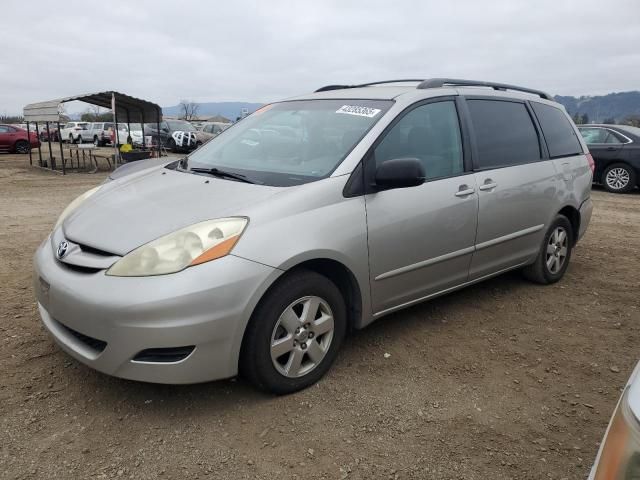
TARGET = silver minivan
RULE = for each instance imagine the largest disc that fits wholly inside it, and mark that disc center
(258, 252)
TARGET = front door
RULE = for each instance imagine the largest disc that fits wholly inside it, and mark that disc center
(421, 238)
(5, 138)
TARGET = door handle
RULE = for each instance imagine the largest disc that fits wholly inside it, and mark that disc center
(611, 149)
(464, 191)
(488, 186)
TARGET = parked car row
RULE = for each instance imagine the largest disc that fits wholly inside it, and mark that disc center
(175, 135)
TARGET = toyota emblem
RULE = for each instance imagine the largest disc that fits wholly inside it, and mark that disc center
(62, 249)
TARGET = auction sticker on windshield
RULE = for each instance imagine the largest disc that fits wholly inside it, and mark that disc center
(358, 110)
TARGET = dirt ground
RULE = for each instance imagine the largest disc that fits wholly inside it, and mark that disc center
(501, 380)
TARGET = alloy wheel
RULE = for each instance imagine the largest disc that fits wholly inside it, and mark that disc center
(557, 249)
(302, 336)
(617, 178)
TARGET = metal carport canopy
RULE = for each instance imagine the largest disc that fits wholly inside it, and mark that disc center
(128, 109)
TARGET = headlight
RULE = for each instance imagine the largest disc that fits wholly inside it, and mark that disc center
(75, 204)
(193, 245)
(620, 455)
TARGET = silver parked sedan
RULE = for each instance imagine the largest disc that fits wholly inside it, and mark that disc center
(313, 216)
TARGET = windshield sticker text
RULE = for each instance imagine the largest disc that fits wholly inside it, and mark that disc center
(359, 111)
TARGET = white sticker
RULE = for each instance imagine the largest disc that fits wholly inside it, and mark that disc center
(359, 111)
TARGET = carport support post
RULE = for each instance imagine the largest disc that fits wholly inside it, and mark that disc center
(49, 141)
(144, 144)
(61, 151)
(29, 137)
(128, 126)
(39, 150)
(159, 136)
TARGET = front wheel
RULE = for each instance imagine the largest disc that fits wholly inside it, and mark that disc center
(294, 334)
(22, 146)
(553, 259)
(171, 145)
(619, 178)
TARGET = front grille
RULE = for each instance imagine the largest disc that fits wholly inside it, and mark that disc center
(94, 251)
(79, 268)
(93, 343)
(164, 355)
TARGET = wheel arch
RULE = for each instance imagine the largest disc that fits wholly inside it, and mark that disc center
(344, 279)
(573, 215)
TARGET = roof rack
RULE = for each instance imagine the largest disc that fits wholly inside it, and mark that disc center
(440, 82)
(342, 87)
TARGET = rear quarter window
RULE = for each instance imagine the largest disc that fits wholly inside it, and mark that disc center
(558, 132)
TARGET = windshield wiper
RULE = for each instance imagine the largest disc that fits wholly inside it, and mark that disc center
(216, 172)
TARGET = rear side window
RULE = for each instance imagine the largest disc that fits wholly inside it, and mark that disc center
(505, 134)
(558, 132)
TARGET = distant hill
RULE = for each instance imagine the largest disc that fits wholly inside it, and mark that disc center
(616, 106)
(231, 110)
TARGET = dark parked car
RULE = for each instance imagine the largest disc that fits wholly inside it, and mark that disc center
(175, 135)
(616, 152)
(15, 139)
(44, 136)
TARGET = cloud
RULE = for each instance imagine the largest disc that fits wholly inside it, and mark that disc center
(261, 51)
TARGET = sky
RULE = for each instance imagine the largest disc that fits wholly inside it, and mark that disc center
(164, 51)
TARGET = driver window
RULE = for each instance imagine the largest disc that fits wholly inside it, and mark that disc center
(430, 133)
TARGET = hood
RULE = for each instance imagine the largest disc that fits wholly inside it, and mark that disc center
(129, 212)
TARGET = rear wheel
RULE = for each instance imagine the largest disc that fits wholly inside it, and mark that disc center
(71, 138)
(555, 253)
(22, 146)
(619, 178)
(294, 334)
(79, 139)
(171, 145)
(96, 141)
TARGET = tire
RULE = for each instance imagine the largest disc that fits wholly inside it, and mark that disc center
(96, 141)
(22, 146)
(198, 144)
(555, 253)
(274, 322)
(71, 138)
(619, 178)
(79, 139)
(171, 145)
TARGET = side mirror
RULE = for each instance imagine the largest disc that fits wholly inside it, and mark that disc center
(400, 173)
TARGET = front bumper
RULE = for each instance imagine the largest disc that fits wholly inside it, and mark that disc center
(207, 306)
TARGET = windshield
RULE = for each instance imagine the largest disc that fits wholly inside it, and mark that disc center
(125, 127)
(181, 126)
(291, 143)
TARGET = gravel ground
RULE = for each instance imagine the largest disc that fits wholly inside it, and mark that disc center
(501, 380)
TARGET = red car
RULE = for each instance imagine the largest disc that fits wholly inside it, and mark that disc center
(15, 139)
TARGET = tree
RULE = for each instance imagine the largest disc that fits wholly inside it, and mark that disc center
(585, 119)
(93, 114)
(577, 119)
(11, 119)
(633, 120)
(610, 121)
(188, 109)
